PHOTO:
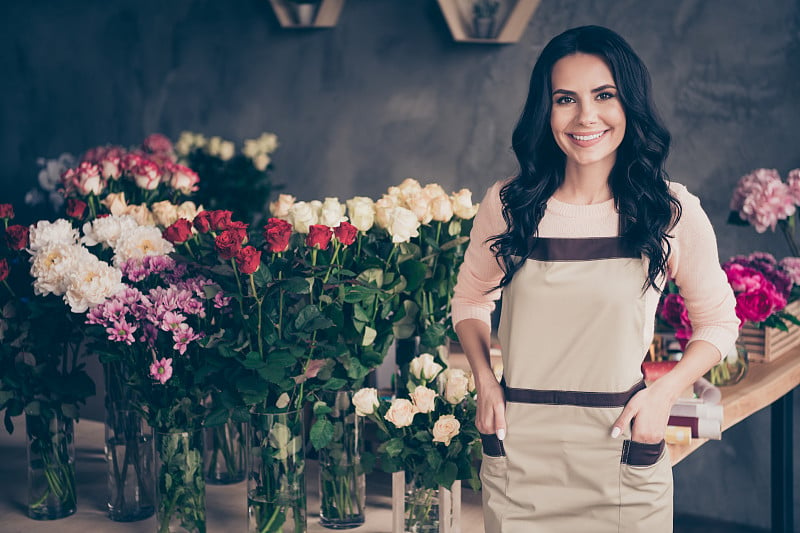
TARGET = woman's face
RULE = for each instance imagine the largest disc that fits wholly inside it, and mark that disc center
(587, 118)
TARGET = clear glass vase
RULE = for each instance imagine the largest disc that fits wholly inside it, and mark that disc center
(276, 488)
(180, 483)
(129, 458)
(732, 369)
(51, 466)
(417, 507)
(342, 482)
(421, 507)
(224, 446)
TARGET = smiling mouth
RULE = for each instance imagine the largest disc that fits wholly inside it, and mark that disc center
(589, 137)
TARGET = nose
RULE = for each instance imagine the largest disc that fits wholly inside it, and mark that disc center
(587, 114)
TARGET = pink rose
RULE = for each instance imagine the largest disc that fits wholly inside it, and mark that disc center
(156, 143)
(182, 178)
(146, 175)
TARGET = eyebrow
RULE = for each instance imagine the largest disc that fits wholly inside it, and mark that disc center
(573, 93)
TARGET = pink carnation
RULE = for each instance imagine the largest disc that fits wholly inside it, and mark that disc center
(793, 181)
(791, 265)
(161, 370)
(762, 199)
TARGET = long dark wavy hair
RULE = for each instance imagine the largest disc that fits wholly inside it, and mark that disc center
(638, 181)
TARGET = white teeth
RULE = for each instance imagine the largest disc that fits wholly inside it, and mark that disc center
(588, 137)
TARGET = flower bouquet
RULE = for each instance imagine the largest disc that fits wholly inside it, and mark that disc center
(431, 436)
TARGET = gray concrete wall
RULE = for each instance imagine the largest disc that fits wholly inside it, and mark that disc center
(387, 94)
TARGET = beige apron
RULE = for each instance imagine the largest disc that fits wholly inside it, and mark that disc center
(571, 332)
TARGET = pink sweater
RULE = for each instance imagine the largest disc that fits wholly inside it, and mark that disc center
(693, 263)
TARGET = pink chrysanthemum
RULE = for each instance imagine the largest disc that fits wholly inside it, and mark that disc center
(182, 336)
(161, 370)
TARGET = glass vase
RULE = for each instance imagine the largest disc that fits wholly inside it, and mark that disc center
(419, 508)
(276, 488)
(129, 458)
(180, 484)
(224, 446)
(732, 369)
(342, 483)
(51, 466)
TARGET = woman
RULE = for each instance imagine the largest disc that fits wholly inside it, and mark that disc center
(580, 243)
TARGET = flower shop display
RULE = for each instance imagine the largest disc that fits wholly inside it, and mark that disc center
(239, 181)
(429, 436)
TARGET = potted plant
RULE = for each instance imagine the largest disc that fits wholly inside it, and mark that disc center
(305, 11)
(484, 12)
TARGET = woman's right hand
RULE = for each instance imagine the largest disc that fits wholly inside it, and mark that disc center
(490, 418)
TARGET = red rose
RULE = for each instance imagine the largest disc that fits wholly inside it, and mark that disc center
(6, 211)
(17, 237)
(346, 233)
(202, 221)
(179, 231)
(76, 208)
(228, 243)
(3, 269)
(319, 236)
(277, 233)
(248, 259)
(220, 220)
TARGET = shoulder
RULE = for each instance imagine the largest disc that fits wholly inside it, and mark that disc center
(690, 203)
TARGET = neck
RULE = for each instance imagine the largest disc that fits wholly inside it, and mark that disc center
(585, 185)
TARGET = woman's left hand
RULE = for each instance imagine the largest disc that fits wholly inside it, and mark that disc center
(648, 410)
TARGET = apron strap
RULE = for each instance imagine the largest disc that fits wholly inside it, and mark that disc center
(577, 398)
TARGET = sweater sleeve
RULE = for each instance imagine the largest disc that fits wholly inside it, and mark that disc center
(480, 272)
(694, 263)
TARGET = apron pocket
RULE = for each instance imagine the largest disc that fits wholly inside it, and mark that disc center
(492, 446)
(640, 453)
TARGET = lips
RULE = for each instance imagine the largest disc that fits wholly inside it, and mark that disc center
(588, 138)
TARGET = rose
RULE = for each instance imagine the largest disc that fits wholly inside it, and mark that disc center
(156, 143)
(88, 179)
(456, 385)
(319, 236)
(3, 269)
(110, 167)
(6, 211)
(141, 214)
(226, 150)
(76, 208)
(361, 211)
(261, 162)
(366, 401)
(164, 213)
(228, 243)
(115, 203)
(331, 212)
(409, 187)
(182, 178)
(791, 265)
(423, 367)
(179, 231)
(420, 204)
(188, 210)
(345, 233)
(277, 233)
(383, 210)
(17, 237)
(220, 219)
(424, 399)
(401, 413)
(302, 216)
(248, 259)
(146, 175)
(202, 222)
(445, 429)
(214, 143)
(403, 224)
(280, 207)
(462, 204)
(441, 209)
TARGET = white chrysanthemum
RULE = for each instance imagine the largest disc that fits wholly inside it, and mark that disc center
(331, 213)
(91, 283)
(107, 230)
(44, 233)
(139, 242)
(51, 267)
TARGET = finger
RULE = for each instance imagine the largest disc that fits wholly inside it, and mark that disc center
(622, 422)
(500, 421)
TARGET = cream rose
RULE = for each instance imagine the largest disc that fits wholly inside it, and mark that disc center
(226, 150)
(424, 367)
(164, 212)
(424, 399)
(456, 385)
(141, 214)
(188, 210)
(401, 413)
(331, 213)
(280, 207)
(383, 211)
(366, 401)
(403, 225)
(420, 204)
(441, 209)
(409, 187)
(261, 162)
(462, 204)
(214, 145)
(445, 429)
(361, 211)
(115, 203)
(301, 216)
(434, 190)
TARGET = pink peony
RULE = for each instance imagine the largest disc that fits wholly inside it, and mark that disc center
(793, 181)
(757, 306)
(161, 370)
(791, 265)
(743, 278)
(762, 199)
(672, 309)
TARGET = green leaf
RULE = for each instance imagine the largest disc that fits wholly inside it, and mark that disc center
(369, 336)
(70, 410)
(392, 447)
(34, 408)
(297, 285)
(321, 433)
(373, 276)
(414, 272)
(217, 417)
(306, 314)
(335, 384)
(321, 408)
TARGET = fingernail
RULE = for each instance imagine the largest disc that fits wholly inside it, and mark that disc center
(615, 432)
(501, 434)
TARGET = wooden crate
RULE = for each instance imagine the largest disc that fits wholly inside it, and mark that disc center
(765, 345)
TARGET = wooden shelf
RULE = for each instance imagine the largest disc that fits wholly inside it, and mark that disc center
(326, 17)
(512, 20)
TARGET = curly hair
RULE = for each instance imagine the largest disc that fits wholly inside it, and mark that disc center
(647, 209)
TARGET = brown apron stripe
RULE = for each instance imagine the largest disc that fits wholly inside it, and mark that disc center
(584, 249)
(640, 453)
(576, 398)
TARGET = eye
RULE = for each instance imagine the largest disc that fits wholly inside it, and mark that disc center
(606, 95)
(561, 100)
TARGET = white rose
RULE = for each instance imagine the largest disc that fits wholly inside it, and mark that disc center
(434, 190)
(250, 148)
(366, 401)
(403, 225)
(280, 207)
(409, 187)
(91, 283)
(226, 150)
(445, 429)
(139, 242)
(441, 209)
(424, 399)
(45, 233)
(423, 367)
(383, 211)
(462, 204)
(185, 143)
(188, 210)
(141, 214)
(301, 216)
(456, 385)
(268, 142)
(115, 203)
(164, 212)
(331, 213)
(261, 162)
(401, 413)
(361, 211)
(214, 145)
(420, 204)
